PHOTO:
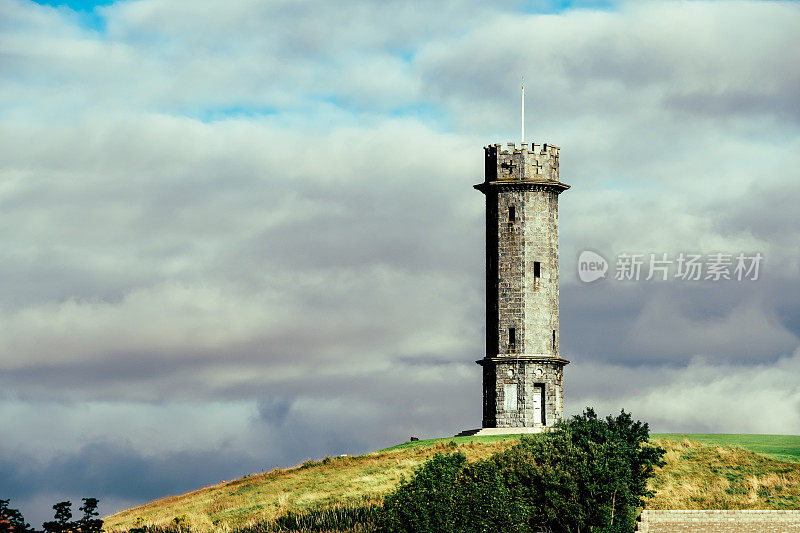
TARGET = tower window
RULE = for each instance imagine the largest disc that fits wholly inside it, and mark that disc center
(537, 269)
(554, 340)
(512, 339)
(512, 214)
(510, 397)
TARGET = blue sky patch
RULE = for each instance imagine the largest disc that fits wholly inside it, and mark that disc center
(213, 114)
(75, 5)
(559, 6)
(88, 15)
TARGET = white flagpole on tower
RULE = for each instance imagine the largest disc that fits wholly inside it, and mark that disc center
(522, 140)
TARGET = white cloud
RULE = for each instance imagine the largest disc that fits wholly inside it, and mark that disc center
(701, 397)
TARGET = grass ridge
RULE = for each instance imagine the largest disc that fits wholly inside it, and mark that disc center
(703, 471)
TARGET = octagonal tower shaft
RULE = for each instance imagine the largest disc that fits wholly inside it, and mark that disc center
(523, 370)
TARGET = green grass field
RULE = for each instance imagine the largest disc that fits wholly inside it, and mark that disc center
(491, 439)
(702, 472)
(781, 447)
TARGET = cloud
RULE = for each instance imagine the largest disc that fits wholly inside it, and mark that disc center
(117, 473)
(746, 331)
(663, 55)
(700, 397)
(273, 410)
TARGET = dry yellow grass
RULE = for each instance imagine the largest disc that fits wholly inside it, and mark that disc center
(265, 496)
(698, 476)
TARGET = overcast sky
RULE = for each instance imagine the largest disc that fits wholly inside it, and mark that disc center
(236, 235)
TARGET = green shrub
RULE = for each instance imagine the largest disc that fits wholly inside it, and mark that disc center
(424, 503)
(587, 475)
(482, 500)
(614, 462)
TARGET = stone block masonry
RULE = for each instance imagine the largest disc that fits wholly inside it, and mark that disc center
(522, 369)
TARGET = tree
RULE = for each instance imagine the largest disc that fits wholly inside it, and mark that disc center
(89, 523)
(11, 520)
(62, 522)
(618, 461)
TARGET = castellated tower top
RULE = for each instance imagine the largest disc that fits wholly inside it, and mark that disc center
(539, 164)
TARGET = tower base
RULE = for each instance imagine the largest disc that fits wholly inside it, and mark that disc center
(485, 432)
(522, 393)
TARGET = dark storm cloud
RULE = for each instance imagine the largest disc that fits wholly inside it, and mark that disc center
(119, 472)
(673, 322)
(114, 472)
(273, 410)
(293, 424)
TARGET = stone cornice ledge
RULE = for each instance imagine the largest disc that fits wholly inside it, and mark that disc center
(522, 185)
(524, 358)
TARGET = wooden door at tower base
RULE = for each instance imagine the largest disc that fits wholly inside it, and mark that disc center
(538, 404)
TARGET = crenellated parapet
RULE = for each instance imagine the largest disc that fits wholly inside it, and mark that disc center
(523, 164)
(539, 162)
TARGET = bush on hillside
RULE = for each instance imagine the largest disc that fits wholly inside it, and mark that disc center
(616, 461)
(425, 502)
(588, 475)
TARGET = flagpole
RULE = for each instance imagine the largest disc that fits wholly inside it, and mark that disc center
(522, 140)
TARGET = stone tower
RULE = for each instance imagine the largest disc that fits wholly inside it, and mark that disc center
(523, 369)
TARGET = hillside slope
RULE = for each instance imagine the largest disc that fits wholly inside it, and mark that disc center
(697, 476)
(781, 447)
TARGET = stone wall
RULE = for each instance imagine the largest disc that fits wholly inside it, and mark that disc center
(521, 300)
(752, 521)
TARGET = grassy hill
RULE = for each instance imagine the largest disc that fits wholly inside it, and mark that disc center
(781, 447)
(702, 472)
